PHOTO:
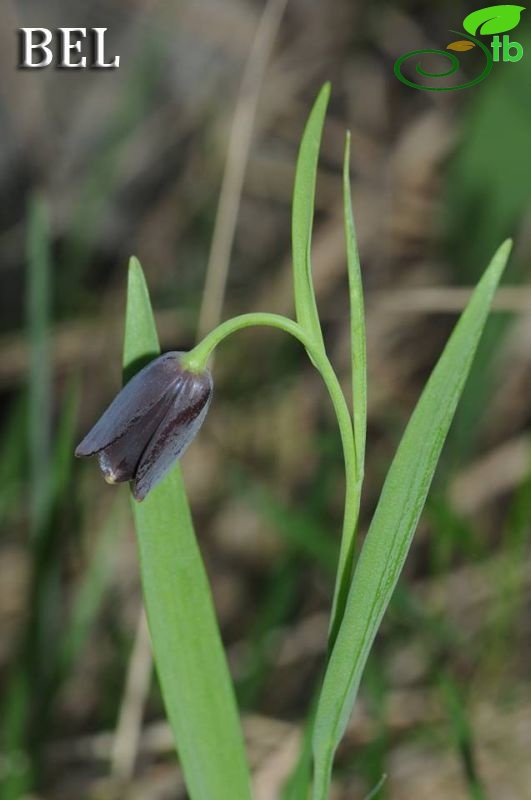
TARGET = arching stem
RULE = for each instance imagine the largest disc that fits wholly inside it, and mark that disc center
(197, 359)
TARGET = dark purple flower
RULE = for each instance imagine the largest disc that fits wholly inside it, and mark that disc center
(149, 424)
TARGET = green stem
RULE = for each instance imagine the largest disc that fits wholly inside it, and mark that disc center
(197, 360)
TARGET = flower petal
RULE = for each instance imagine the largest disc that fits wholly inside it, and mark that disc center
(120, 459)
(136, 399)
(181, 423)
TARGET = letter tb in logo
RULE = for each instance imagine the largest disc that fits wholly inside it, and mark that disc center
(511, 51)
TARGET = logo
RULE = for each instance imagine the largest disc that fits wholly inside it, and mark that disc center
(490, 21)
(40, 47)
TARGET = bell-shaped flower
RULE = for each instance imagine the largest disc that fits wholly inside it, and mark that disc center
(149, 424)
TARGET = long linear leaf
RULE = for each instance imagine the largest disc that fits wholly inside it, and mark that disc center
(40, 372)
(190, 661)
(394, 522)
(302, 217)
(357, 321)
(91, 591)
(359, 401)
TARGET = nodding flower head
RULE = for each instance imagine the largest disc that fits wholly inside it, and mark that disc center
(149, 424)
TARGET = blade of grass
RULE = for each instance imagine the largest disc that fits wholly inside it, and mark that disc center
(394, 522)
(302, 218)
(64, 441)
(12, 457)
(29, 672)
(189, 656)
(374, 792)
(461, 734)
(359, 404)
(297, 786)
(17, 775)
(91, 592)
(40, 373)
(38, 659)
(357, 321)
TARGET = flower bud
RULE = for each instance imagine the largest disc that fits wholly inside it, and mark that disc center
(149, 424)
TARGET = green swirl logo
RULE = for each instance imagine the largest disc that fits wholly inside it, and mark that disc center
(491, 20)
(455, 66)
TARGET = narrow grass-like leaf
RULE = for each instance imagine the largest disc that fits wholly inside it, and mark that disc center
(33, 665)
(374, 792)
(357, 321)
(302, 218)
(90, 594)
(189, 656)
(394, 522)
(17, 776)
(298, 785)
(60, 477)
(359, 402)
(462, 735)
(40, 371)
(12, 457)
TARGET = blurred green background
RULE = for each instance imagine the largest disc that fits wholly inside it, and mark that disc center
(98, 165)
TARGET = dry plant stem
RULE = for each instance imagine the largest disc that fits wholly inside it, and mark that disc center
(127, 735)
(237, 158)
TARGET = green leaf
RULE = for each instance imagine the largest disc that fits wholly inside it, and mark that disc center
(297, 787)
(374, 791)
(359, 403)
(394, 522)
(40, 370)
(12, 457)
(141, 342)
(302, 218)
(189, 656)
(357, 321)
(90, 593)
(494, 19)
(461, 732)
